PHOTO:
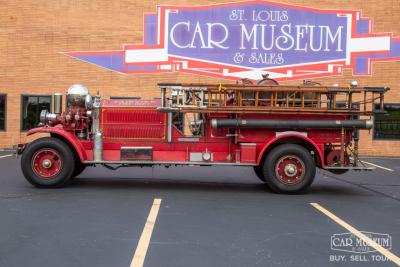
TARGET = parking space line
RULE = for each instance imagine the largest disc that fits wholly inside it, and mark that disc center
(395, 259)
(5, 156)
(143, 245)
(378, 166)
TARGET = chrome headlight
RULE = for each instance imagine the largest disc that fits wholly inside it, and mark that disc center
(76, 96)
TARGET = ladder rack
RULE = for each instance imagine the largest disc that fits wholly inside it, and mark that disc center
(240, 98)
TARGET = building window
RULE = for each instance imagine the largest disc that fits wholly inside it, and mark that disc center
(387, 125)
(31, 108)
(3, 109)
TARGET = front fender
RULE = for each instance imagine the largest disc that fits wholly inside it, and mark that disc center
(297, 136)
(67, 136)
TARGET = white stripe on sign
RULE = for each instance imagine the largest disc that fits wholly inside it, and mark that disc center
(143, 245)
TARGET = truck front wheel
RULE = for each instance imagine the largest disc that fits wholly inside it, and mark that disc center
(47, 162)
(289, 168)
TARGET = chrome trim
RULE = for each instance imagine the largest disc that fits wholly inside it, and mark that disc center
(98, 146)
(291, 132)
(57, 103)
(214, 123)
(136, 147)
(169, 127)
(97, 135)
(189, 139)
(359, 168)
(369, 124)
(96, 115)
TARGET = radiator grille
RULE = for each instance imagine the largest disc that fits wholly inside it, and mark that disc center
(132, 124)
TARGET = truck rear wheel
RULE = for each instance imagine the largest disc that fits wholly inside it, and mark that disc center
(47, 162)
(289, 168)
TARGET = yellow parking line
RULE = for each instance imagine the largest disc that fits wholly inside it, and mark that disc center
(5, 156)
(395, 259)
(143, 245)
(378, 166)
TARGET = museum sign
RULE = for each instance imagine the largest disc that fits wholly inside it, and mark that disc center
(247, 39)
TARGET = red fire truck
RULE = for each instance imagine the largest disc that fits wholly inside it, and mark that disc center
(283, 132)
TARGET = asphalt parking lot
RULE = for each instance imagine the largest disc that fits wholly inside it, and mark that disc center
(208, 216)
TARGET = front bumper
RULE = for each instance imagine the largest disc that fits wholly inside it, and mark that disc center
(18, 149)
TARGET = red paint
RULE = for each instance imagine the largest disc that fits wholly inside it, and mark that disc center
(317, 147)
(47, 163)
(144, 124)
(290, 170)
(71, 139)
(124, 124)
(248, 153)
(135, 103)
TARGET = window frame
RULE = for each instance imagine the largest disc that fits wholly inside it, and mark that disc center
(5, 113)
(373, 129)
(22, 108)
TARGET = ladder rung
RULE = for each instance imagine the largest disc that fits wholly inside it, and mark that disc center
(271, 98)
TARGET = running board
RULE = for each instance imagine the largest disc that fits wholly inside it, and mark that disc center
(132, 162)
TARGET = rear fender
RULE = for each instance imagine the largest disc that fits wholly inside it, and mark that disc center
(67, 137)
(302, 140)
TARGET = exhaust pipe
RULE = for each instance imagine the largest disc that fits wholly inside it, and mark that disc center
(297, 124)
(57, 103)
(46, 116)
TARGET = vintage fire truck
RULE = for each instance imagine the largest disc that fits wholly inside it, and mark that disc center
(283, 132)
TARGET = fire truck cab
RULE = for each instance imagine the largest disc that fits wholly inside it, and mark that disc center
(283, 132)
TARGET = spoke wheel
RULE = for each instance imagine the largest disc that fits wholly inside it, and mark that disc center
(47, 163)
(289, 168)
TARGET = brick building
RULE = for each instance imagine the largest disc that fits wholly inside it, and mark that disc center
(35, 34)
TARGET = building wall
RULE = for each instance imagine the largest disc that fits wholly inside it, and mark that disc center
(34, 33)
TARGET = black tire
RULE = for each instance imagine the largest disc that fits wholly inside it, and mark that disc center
(259, 172)
(79, 168)
(298, 173)
(64, 156)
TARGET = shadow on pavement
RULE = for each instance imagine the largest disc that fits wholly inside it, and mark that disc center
(319, 188)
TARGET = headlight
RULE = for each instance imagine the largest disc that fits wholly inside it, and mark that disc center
(76, 96)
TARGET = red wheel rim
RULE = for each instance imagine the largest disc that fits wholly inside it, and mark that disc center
(46, 163)
(290, 170)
